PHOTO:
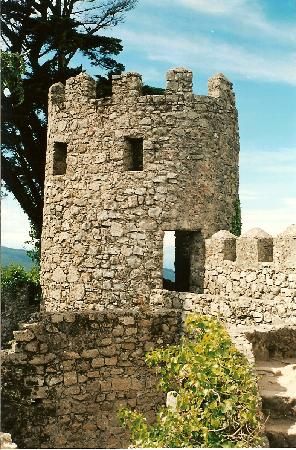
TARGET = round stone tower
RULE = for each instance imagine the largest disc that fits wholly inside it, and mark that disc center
(124, 169)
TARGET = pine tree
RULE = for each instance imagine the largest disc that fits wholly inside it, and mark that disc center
(42, 39)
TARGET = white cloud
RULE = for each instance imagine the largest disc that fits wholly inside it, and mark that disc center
(273, 221)
(247, 194)
(281, 161)
(291, 202)
(213, 6)
(268, 189)
(200, 52)
(246, 15)
(15, 226)
(169, 239)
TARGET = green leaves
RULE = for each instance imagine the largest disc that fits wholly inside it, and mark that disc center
(12, 69)
(42, 41)
(14, 276)
(217, 400)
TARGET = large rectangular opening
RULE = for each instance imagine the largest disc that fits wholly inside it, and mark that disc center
(183, 261)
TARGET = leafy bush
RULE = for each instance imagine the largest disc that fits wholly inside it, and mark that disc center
(15, 276)
(217, 404)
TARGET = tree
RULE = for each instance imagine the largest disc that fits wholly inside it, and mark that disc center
(214, 397)
(42, 39)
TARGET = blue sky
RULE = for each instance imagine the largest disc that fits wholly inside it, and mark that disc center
(253, 42)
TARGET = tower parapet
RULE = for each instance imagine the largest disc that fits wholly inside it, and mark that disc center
(254, 272)
(179, 80)
(80, 88)
(255, 246)
(220, 87)
(128, 84)
(285, 247)
(221, 247)
(56, 93)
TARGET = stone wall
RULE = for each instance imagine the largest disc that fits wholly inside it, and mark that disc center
(18, 303)
(120, 172)
(104, 219)
(68, 374)
(255, 265)
(241, 311)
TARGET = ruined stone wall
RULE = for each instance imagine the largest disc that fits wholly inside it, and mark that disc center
(249, 281)
(235, 310)
(18, 303)
(68, 374)
(103, 226)
(255, 265)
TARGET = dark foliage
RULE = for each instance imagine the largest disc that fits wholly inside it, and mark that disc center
(46, 35)
(236, 225)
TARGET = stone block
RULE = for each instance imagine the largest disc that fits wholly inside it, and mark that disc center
(97, 362)
(254, 246)
(90, 353)
(121, 384)
(25, 335)
(70, 378)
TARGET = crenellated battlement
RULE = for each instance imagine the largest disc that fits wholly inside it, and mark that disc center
(254, 265)
(253, 247)
(220, 87)
(179, 80)
(128, 86)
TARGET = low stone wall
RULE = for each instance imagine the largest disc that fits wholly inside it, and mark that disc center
(18, 303)
(239, 311)
(68, 374)
(255, 265)
(276, 342)
(262, 281)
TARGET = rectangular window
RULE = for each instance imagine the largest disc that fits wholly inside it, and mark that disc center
(133, 154)
(59, 158)
(184, 251)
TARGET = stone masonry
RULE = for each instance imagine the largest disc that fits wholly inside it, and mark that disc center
(120, 172)
(248, 281)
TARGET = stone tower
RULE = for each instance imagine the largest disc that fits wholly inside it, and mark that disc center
(124, 169)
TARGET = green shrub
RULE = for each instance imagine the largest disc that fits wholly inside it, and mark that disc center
(217, 399)
(15, 276)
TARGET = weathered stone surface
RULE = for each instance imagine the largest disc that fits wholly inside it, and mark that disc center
(100, 200)
(23, 335)
(76, 388)
(104, 220)
(5, 441)
(17, 305)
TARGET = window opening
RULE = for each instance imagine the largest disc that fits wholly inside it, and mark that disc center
(59, 158)
(183, 261)
(133, 154)
(168, 269)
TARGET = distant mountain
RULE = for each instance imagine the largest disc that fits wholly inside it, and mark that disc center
(169, 274)
(15, 256)
(19, 257)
